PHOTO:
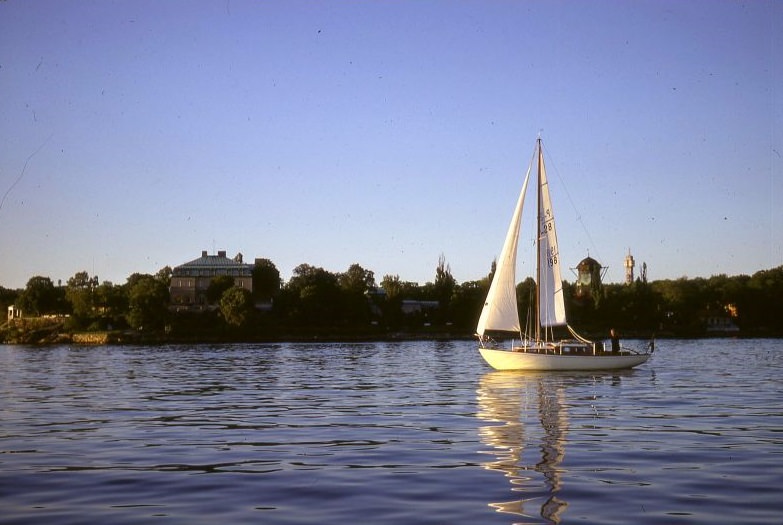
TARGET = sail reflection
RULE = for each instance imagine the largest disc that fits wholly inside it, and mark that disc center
(527, 431)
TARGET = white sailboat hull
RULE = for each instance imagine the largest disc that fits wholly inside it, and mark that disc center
(519, 360)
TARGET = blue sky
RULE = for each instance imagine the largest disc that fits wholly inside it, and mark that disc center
(136, 134)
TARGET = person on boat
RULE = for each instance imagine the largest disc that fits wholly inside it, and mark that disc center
(615, 341)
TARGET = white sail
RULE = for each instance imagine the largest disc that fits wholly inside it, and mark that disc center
(551, 306)
(500, 309)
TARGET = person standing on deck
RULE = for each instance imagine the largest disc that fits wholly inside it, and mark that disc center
(615, 341)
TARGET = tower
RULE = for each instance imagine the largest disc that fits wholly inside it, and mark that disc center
(629, 264)
(589, 274)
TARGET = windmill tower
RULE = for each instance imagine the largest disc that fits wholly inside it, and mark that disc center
(588, 277)
(629, 265)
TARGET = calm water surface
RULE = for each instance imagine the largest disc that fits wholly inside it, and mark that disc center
(387, 433)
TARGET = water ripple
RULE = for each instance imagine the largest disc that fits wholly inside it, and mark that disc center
(387, 433)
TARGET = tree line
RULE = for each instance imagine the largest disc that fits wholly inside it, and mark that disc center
(315, 302)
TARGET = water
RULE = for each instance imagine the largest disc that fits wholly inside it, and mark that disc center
(387, 433)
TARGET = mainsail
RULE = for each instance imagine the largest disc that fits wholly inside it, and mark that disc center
(500, 309)
(551, 306)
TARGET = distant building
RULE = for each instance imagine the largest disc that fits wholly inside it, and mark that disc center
(588, 277)
(722, 322)
(629, 266)
(412, 306)
(721, 325)
(190, 281)
(14, 313)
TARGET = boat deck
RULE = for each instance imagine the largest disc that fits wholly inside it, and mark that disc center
(569, 350)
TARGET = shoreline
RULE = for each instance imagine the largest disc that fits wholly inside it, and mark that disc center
(128, 337)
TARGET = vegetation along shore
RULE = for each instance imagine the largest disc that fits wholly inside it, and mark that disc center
(316, 304)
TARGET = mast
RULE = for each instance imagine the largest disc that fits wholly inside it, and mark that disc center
(538, 244)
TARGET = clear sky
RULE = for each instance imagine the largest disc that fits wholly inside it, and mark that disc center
(135, 134)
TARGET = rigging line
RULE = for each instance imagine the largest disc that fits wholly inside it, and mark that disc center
(24, 168)
(573, 205)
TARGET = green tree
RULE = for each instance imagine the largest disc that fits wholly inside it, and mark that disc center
(147, 302)
(628, 307)
(79, 293)
(355, 285)
(392, 286)
(111, 303)
(266, 279)
(444, 282)
(487, 281)
(164, 275)
(236, 305)
(135, 278)
(467, 303)
(313, 296)
(41, 297)
(396, 291)
(8, 297)
(683, 302)
(357, 280)
(526, 300)
(391, 306)
(763, 301)
(218, 286)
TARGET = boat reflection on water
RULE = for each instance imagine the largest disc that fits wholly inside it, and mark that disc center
(530, 410)
(527, 430)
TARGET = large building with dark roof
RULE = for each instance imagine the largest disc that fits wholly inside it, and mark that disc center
(189, 281)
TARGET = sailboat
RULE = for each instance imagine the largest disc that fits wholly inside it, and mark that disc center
(537, 348)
